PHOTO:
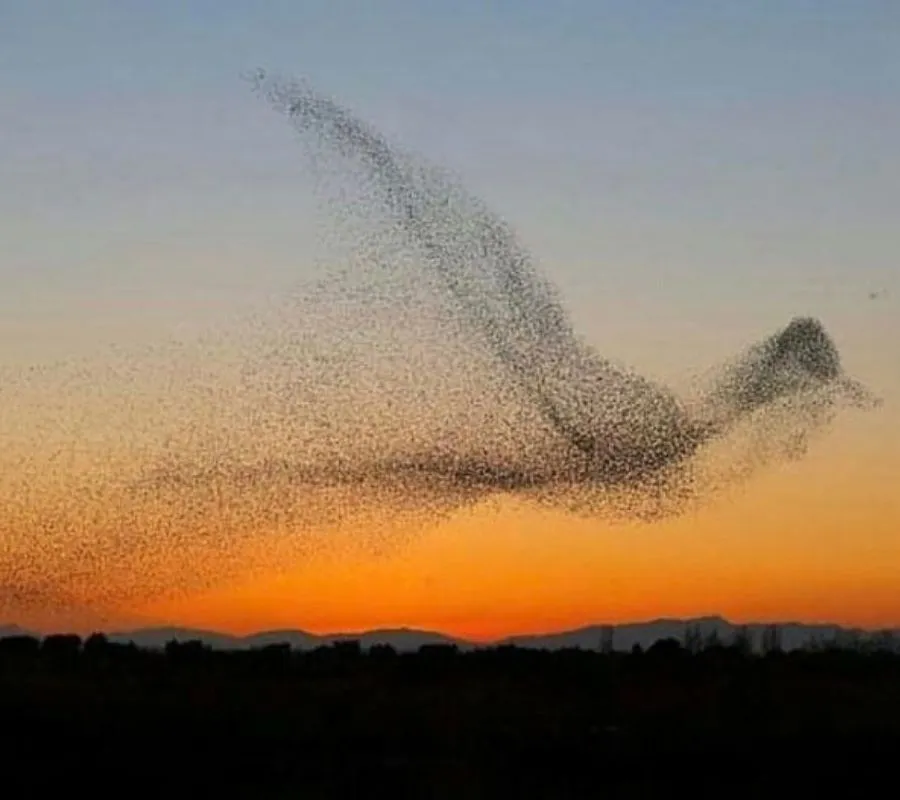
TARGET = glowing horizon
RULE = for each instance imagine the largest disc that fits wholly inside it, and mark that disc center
(689, 181)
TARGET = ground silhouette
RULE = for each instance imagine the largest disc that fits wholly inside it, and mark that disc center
(698, 716)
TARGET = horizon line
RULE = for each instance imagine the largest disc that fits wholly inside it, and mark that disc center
(401, 628)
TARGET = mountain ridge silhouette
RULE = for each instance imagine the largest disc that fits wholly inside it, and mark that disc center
(793, 635)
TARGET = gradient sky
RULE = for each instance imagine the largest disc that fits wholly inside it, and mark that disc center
(690, 174)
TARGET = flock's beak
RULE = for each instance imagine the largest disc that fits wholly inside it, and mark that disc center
(857, 395)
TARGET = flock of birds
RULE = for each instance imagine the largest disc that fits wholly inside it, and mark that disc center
(441, 369)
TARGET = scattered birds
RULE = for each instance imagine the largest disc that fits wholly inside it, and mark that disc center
(438, 368)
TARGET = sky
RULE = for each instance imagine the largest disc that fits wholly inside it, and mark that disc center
(690, 175)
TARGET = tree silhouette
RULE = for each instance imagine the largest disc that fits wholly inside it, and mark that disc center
(771, 639)
(342, 718)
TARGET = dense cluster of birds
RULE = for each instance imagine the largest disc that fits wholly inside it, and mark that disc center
(437, 370)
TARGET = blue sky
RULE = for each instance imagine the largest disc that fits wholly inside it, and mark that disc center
(691, 174)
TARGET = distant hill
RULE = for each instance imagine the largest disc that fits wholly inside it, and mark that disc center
(793, 635)
(402, 639)
(13, 630)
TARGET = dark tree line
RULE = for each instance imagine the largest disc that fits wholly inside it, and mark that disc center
(699, 715)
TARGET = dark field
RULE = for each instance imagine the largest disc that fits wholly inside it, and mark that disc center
(502, 722)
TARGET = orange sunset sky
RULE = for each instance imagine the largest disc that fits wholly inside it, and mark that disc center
(812, 541)
(690, 180)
